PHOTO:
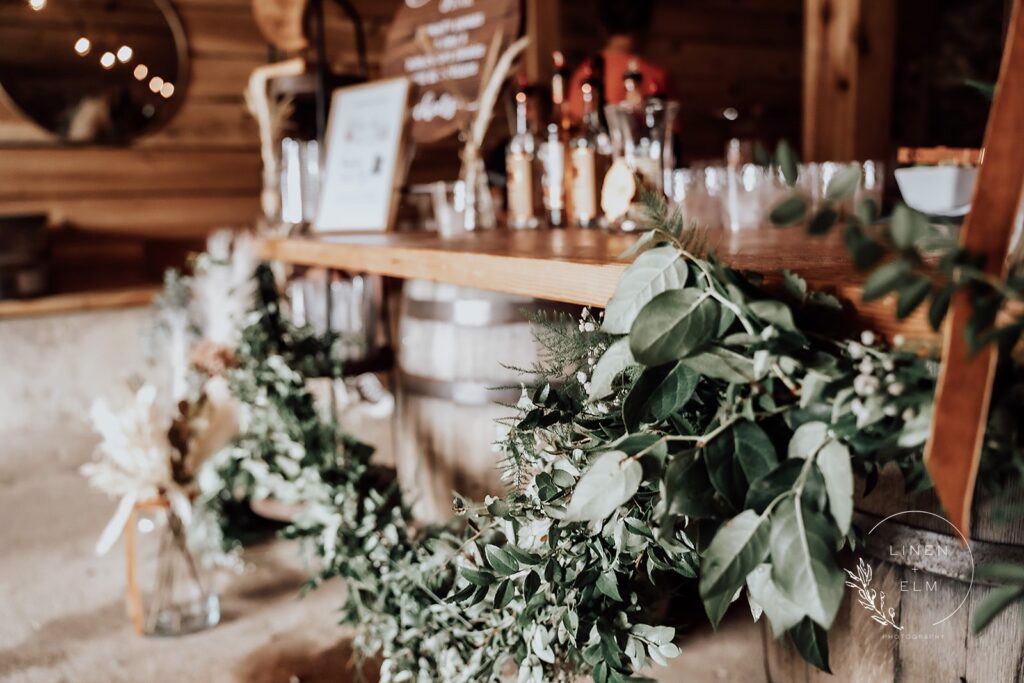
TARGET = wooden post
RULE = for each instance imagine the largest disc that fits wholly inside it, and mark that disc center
(848, 72)
(965, 381)
(543, 22)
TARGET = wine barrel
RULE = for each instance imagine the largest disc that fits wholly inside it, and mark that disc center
(457, 351)
(927, 575)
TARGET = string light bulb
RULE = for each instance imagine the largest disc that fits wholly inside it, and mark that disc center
(107, 60)
(141, 71)
(166, 90)
(82, 46)
(124, 54)
(156, 83)
(37, 4)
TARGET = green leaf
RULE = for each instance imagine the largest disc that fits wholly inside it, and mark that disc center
(642, 243)
(867, 209)
(723, 364)
(822, 221)
(789, 211)
(1002, 571)
(939, 306)
(774, 312)
(500, 560)
(807, 439)
(688, 488)
(653, 272)
(477, 578)
(994, 603)
(611, 481)
(811, 642)
(613, 361)
(766, 489)
(504, 594)
(738, 547)
(659, 392)
(885, 279)
(673, 325)
(907, 227)
(844, 183)
(910, 296)
(834, 462)
(786, 158)
(760, 154)
(754, 449)
(781, 611)
(606, 583)
(803, 563)
(724, 470)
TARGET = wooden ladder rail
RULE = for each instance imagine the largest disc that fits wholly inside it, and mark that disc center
(965, 381)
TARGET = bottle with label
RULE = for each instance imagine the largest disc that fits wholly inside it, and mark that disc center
(519, 160)
(553, 151)
(584, 150)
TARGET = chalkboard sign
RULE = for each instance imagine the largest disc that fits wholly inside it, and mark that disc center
(442, 46)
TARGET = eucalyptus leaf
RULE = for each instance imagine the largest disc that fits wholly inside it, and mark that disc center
(822, 221)
(907, 226)
(998, 599)
(606, 583)
(766, 489)
(612, 363)
(723, 364)
(673, 325)
(659, 392)
(786, 158)
(738, 547)
(912, 295)
(789, 211)
(782, 613)
(754, 450)
(885, 279)
(834, 462)
(811, 642)
(653, 272)
(612, 480)
(807, 439)
(724, 470)
(688, 487)
(774, 312)
(803, 563)
(844, 183)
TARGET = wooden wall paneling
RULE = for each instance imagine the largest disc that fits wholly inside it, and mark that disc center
(848, 68)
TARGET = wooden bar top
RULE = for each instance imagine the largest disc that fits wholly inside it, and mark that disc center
(78, 302)
(583, 266)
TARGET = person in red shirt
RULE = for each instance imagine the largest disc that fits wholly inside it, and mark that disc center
(625, 24)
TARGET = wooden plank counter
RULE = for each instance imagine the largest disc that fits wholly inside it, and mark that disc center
(78, 302)
(582, 266)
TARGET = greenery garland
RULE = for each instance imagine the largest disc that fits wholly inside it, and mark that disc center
(702, 430)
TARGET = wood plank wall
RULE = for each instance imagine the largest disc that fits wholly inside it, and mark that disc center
(744, 54)
(200, 172)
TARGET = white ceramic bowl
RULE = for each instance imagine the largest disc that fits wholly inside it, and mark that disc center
(937, 190)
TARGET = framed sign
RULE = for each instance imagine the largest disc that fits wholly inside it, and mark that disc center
(441, 45)
(363, 156)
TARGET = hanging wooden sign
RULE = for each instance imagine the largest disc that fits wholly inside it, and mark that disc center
(442, 46)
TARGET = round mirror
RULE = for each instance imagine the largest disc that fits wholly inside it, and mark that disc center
(93, 71)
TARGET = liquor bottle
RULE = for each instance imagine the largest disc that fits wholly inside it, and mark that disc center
(553, 151)
(633, 80)
(519, 160)
(584, 149)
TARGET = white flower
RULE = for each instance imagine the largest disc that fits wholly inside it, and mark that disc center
(856, 350)
(866, 367)
(896, 388)
(899, 340)
(865, 385)
(867, 337)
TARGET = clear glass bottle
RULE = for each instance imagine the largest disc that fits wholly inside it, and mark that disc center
(583, 153)
(554, 150)
(519, 160)
(169, 591)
